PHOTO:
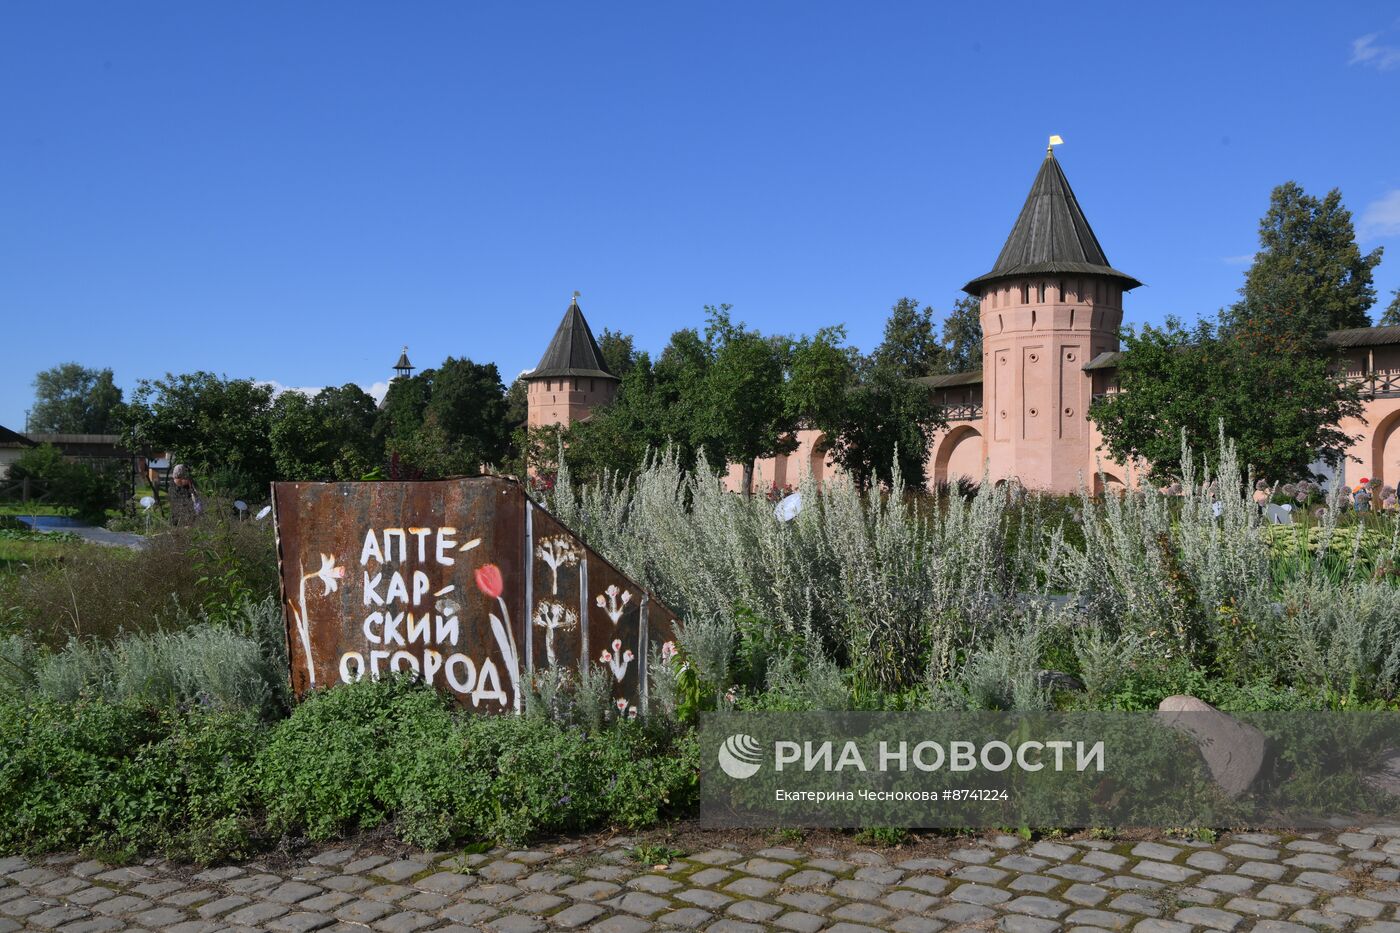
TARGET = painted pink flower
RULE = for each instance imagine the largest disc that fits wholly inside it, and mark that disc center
(621, 704)
(628, 655)
(606, 656)
(488, 580)
(617, 644)
(668, 651)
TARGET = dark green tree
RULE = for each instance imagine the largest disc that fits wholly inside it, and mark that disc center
(962, 336)
(1267, 379)
(448, 421)
(217, 426)
(821, 374)
(1308, 259)
(1391, 317)
(73, 399)
(887, 419)
(325, 437)
(872, 413)
(619, 355)
(910, 346)
(742, 411)
(617, 438)
(468, 402)
(401, 413)
(517, 403)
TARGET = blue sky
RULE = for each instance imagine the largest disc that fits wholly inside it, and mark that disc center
(290, 192)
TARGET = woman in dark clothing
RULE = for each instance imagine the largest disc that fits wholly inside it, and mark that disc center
(185, 506)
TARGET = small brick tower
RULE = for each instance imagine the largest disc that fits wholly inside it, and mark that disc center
(1049, 306)
(571, 379)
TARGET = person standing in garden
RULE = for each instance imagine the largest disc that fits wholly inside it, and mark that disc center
(185, 506)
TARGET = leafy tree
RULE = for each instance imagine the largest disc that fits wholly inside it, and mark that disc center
(868, 408)
(468, 402)
(1308, 259)
(324, 437)
(517, 403)
(447, 421)
(742, 407)
(217, 426)
(617, 437)
(1268, 381)
(73, 399)
(1391, 318)
(821, 373)
(619, 355)
(910, 346)
(962, 336)
(402, 410)
(886, 419)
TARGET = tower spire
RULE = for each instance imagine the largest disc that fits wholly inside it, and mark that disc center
(403, 368)
(1051, 235)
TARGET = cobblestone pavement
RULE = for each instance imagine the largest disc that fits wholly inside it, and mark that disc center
(1345, 881)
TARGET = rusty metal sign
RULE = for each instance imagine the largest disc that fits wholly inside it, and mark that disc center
(468, 584)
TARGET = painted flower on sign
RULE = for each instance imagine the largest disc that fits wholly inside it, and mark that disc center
(615, 603)
(488, 580)
(617, 660)
(329, 574)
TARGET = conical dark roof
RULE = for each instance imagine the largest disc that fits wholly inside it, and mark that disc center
(573, 351)
(1051, 235)
(403, 362)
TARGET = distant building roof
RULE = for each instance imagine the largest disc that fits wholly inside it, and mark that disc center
(10, 438)
(1364, 336)
(403, 362)
(951, 379)
(573, 351)
(1106, 360)
(1051, 236)
(1342, 339)
(61, 439)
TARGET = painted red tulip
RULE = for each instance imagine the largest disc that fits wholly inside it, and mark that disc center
(488, 580)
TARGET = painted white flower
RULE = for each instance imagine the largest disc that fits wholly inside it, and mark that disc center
(613, 601)
(330, 574)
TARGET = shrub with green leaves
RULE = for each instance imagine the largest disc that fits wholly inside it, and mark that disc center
(121, 778)
(350, 757)
(371, 752)
(129, 778)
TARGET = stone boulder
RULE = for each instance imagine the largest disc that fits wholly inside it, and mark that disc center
(1234, 752)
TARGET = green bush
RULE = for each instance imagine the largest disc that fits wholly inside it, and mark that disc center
(366, 753)
(59, 767)
(194, 794)
(121, 778)
(127, 778)
(86, 490)
(339, 763)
